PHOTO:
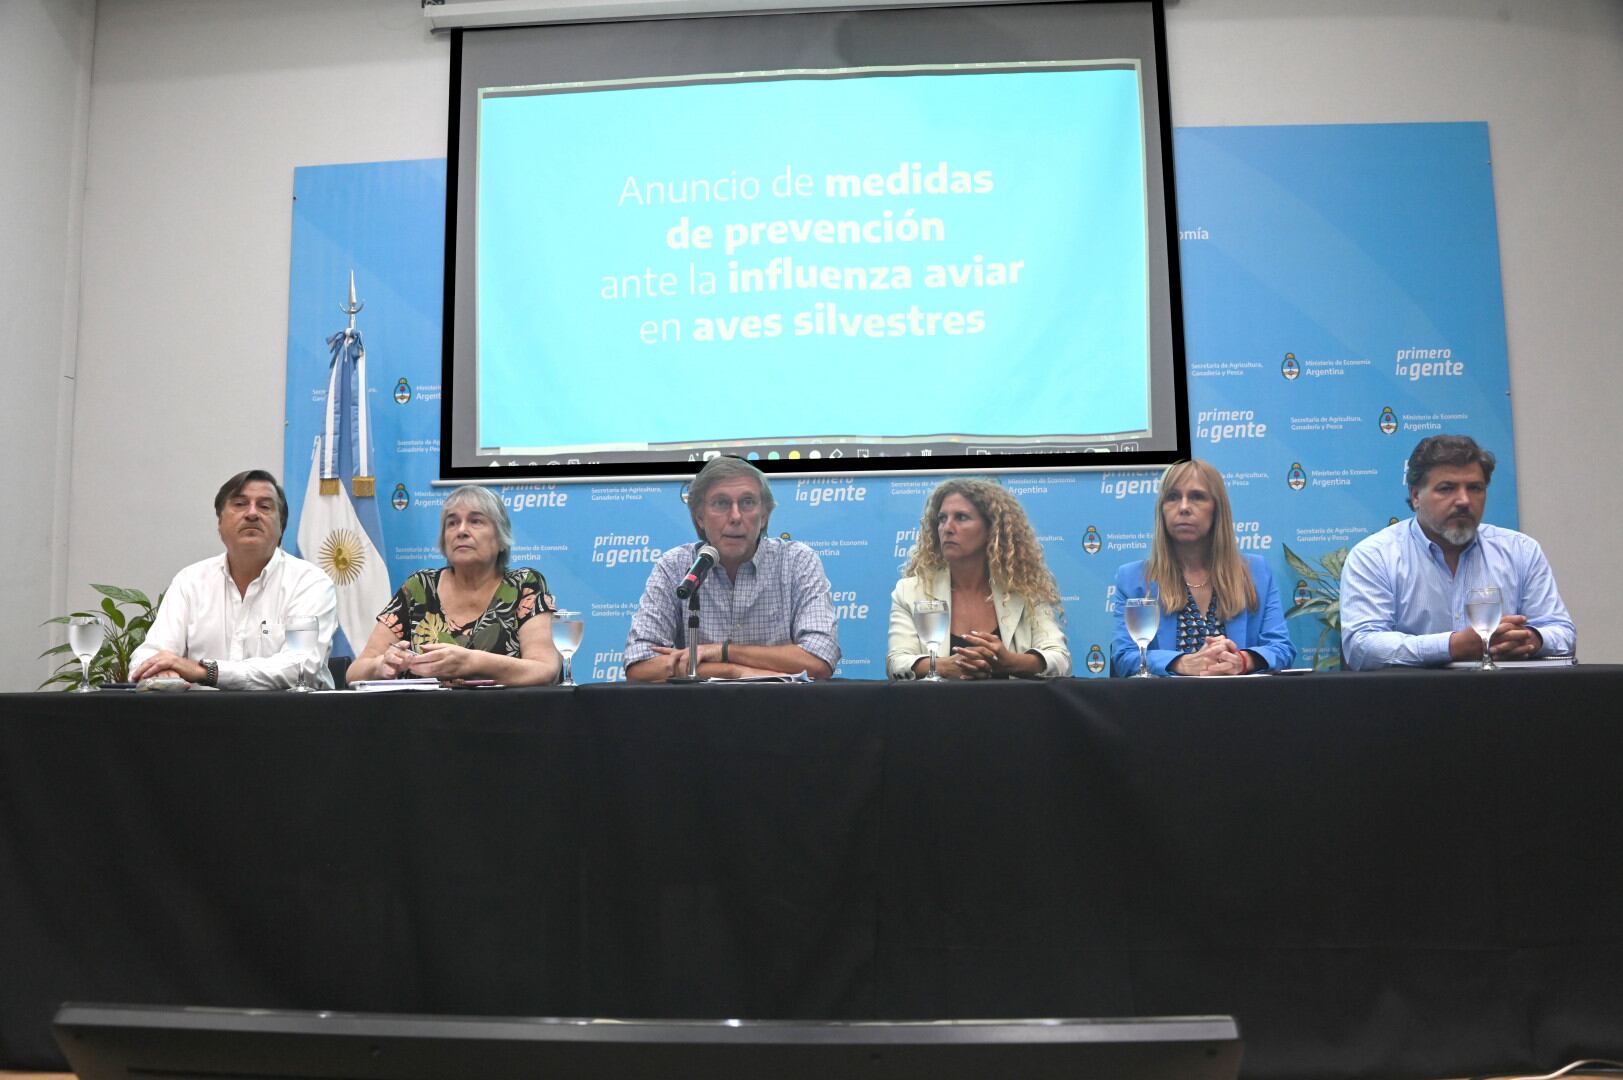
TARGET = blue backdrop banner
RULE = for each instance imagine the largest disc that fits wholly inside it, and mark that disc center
(1341, 301)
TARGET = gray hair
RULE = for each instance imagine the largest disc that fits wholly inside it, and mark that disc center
(485, 502)
(719, 470)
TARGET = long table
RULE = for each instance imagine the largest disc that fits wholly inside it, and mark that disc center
(1396, 874)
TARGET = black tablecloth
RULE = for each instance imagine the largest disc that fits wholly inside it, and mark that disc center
(1403, 874)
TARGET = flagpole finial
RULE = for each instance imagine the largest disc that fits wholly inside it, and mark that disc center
(352, 309)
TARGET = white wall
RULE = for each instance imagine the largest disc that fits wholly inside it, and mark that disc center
(45, 77)
(201, 111)
(202, 108)
(1547, 76)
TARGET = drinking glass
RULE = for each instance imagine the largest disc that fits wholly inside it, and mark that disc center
(933, 621)
(299, 636)
(1483, 606)
(567, 629)
(85, 636)
(1143, 619)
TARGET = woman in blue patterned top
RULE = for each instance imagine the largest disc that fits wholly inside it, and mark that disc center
(1220, 610)
(473, 618)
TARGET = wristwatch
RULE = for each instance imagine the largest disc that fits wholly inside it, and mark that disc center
(211, 673)
(724, 645)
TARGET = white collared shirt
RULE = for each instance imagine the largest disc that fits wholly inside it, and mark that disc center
(204, 617)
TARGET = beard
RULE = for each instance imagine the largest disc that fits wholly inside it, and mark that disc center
(1458, 531)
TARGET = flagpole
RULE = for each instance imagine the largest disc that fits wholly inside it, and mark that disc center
(340, 534)
(363, 484)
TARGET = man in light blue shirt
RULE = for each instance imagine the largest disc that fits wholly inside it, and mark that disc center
(1403, 588)
(767, 608)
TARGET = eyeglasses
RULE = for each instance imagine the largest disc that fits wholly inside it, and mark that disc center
(721, 504)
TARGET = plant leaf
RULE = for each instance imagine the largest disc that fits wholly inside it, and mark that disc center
(70, 616)
(125, 632)
(121, 594)
(1334, 561)
(1323, 661)
(1300, 565)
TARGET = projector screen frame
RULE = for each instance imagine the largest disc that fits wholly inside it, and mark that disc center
(1161, 249)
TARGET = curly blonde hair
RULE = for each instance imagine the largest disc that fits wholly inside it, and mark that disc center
(1014, 557)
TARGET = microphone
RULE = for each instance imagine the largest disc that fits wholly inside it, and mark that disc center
(701, 566)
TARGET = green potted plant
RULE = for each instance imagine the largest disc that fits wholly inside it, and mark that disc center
(1319, 593)
(125, 632)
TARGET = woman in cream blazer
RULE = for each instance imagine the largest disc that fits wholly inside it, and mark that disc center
(978, 553)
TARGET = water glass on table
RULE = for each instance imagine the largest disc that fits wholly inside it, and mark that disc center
(85, 636)
(1483, 608)
(299, 636)
(567, 630)
(934, 623)
(1143, 614)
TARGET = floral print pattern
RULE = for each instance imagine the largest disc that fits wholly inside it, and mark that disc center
(415, 612)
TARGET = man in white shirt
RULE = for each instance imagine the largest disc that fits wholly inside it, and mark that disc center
(222, 621)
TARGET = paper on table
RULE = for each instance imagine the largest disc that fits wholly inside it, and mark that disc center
(384, 686)
(799, 676)
(1535, 662)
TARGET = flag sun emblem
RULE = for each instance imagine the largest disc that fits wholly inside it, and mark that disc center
(342, 556)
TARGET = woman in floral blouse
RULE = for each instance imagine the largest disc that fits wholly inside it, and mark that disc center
(475, 618)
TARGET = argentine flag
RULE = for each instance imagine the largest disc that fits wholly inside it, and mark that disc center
(333, 535)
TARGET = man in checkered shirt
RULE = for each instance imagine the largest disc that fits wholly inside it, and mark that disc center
(766, 608)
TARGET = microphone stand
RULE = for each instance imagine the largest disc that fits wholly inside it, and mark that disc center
(693, 641)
